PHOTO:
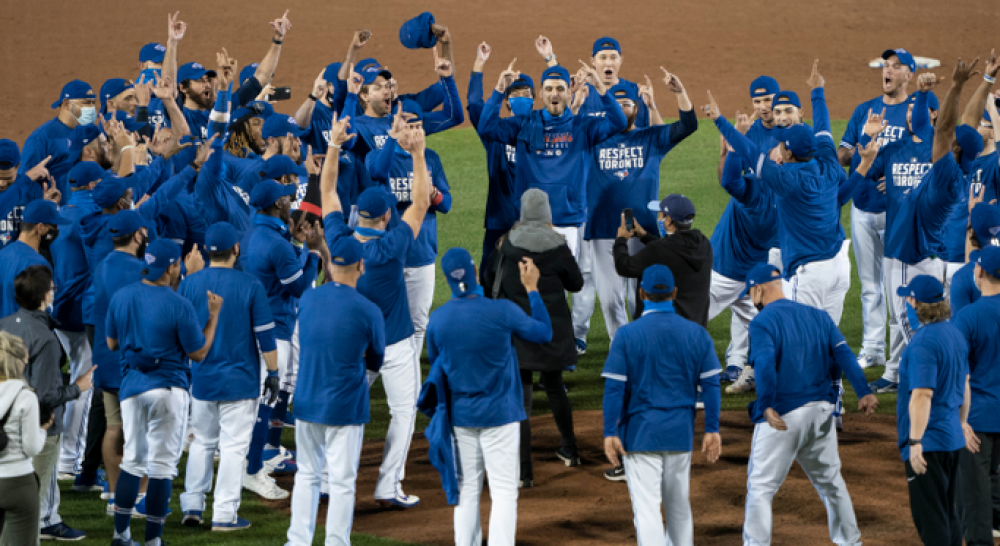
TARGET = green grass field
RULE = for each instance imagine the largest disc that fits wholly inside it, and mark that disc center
(690, 169)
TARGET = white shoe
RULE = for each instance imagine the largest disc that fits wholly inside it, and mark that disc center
(65, 476)
(187, 442)
(264, 485)
(744, 383)
(866, 361)
(282, 456)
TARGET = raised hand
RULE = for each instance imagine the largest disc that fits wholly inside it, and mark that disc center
(441, 32)
(593, 78)
(646, 94)
(204, 152)
(712, 108)
(314, 237)
(673, 82)
(743, 122)
(992, 64)
(815, 79)
(579, 97)
(441, 65)
(875, 123)
(483, 52)
(319, 85)
(870, 151)
(281, 26)
(928, 81)
(414, 140)
(265, 92)
(508, 77)
(354, 81)
(544, 47)
(40, 172)
(398, 125)
(50, 192)
(529, 274)
(164, 89)
(175, 27)
(360, 38)
(963, 71)
(143, 89)
(338, 130)
(227, 68)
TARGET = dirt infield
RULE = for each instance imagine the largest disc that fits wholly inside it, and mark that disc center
(578, 506)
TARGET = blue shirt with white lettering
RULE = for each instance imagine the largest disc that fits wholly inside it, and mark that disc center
(984, 179)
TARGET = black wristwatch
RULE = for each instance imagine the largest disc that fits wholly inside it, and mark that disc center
(276, 42)
(912, 442)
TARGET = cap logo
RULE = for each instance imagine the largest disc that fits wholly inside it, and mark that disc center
(159, 47)
(196, 66)
(457, 274)
(150, 259)
(291, 119)
(213, 248)
(994, 231)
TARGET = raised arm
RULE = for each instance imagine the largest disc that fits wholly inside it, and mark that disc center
(821, 115)
(358, 41)
(474, 98)
(329, 200)
(647, 96)
(490, 124)
(444, 38)
(303, 116)
(413, 141)
(544, 48)
(267, 65)
(944, 135)
(175, 32)
(977, 104)
(379, 161)
(451, 113)
(614, 120)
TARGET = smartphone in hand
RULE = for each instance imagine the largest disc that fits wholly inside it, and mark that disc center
(629, 219)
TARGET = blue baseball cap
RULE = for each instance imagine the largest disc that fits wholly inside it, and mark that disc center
(523, 80)
(193, 71)
(255, 109)
(411, 107)
(605, 43)
(111, 89)
(985, 222)
(555, 73)
(923, 288)
(247, 72)
(109, 191)
(84, 173)
(130, 123)
(365, 63)
(81, 136)
(152, 53)
(624, 91)
(267, 193)
(126, 222)
(657, 279)
(374, 202)
(278, 166)
(10, 155)
(459, 270)
(989, 260)
(903, 56)
(370, 70)
(76, 89)
(679, 208)
(971, 142)
(762, 86)
(42, 211)
(331, 72)
(762, 273)
(798, 138)
(346, 251)
(221, 236)
(416, 33)
(786, 97)
(279, 126)
(160, 255)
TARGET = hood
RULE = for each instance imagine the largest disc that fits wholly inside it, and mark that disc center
(8, 389)
(542, 258)
(692, 247)
(93, 225)
(535, 237)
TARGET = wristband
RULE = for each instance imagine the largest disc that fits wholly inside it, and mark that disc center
(989, 79)
(126, 148)
(337, 146)
(272, 373)
(912, 442)
(195, 167)
(437, 198)
(550, 57)
(313, 97)
(275, 42)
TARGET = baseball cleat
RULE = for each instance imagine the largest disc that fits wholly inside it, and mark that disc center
(401, 500)
(264, 485)
(62, 533)
(139, 510)
(65, 476)
(866, 361)
(238, 525)
(567, 456)
(883, 386)
(581, 347)
(744, 383)
(280, 461)
(615, 474)
(731, 374)
(192, 518)
(88, 484)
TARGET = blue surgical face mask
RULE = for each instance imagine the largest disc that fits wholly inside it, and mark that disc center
(87, 115)
(911, 317)
(662, 228)
(149, 75)
(520, 105)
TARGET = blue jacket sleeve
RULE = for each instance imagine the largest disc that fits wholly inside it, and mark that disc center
(743, 146)
(920, 121)
(711, 393)
(262, 319)
(375, 353)
(247, 92)
(339, 96)
(451, 113)
(474, 98)
(378, 162)
(762, 356)
(538, 327)
(613, 122)
(615, 381)
(167, 192)
(441, 183)
(494, 128)
(821, 115)
(679, 130)
(847, 361)
(350, 108)
(732, 178)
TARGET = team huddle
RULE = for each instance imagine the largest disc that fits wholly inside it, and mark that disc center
(214, 271)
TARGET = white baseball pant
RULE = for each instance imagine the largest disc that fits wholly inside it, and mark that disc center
(823, 284)
(497, 451)
(868, 232)
(338, 449)
(420, 294)
(75, 412)
(597, 266)
(899, 274)
(227, 425)
(154, 425)
(655, 478)
(811, 439)
(401, 380)
(573, 236)
(725, 292)
(288, 363)
(950, 269)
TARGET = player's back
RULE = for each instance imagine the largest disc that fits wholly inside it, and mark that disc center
(116, 271)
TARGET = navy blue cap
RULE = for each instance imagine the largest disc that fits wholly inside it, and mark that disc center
(971, 142)
(605, 43)
(657, 279)
(42, 211)
(331, 72)
(763, 85)
(279, 126)
(411, 107)
(267, 193)
(760, 274)
(255, 109)
(523, 80)
(160, 255)
(10, 155)
(555, 73)
(193, 71)
(111, 89)
(152, 53)
(109, 191)
(989, 260)
(798, 138)
(374, 202)
(84, 173)
(126, 222)
(416, 33)
(346, 251)
(679, 208)
(80, 137)
(786, 97)
(985, 222)
(248, 72)
(923, 288)
(76, 89)
(370, 70)
(624, 91)
(278, 166)
(221, 236)
(903, 56)
(459, 270)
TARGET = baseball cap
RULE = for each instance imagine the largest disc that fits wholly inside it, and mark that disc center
(657, 279)
(76, 89)
(416, 33)
(371, 71)
(221, 236)
(160, 255)
(923, 288)
(523, 80)
(989, 260)
(42, 211)
(255, 109)
(555, 73)
(84, 173)
(331, 72)
(111, 89)
(971, 142)
(459, 270)
(278, 166)
(798, 138)
(279, 126)
(152, 53)
(10, 156)
(760, 274)
(346, 251)
(248, 72)
(193, 71)
(126, 222)
(985, 222)
(606, 43)
(786, 97)
(80, 137)
(267, 193)
(109, 191)
(623, 91)
(763, 85)
(679, 208)
(373, 202)
(411, 107)
(903, 56)
(130, 123)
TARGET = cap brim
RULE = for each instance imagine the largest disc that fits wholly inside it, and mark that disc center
(61, 221)
(289, 190)
(154, 273)
(653, 206)
(903, 291)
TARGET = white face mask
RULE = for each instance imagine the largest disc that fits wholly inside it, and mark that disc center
(88, 114)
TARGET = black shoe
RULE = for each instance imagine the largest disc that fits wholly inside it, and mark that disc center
(616, 474)
(571, 458)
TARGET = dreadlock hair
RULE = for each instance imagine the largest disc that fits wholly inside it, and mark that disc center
(240, 140)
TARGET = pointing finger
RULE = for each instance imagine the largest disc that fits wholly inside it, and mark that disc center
(511, 67)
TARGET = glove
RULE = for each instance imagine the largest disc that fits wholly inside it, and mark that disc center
(271, 387)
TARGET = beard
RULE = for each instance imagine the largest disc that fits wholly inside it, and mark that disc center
(203, 102)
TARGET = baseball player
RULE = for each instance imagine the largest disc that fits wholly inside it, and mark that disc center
(226, 384)
(468, 339)
(157, 330)
(331, 401)
(649, 409)
(762, 92)
(932, 409)
(798, 356)
(984, 228)
(17, 190)
(384, 283)
(39, 228)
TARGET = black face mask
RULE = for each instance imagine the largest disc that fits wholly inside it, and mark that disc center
(49, 237)
(141, 251)
(759, 306)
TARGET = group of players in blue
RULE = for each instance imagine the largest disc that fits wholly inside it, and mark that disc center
(214, 259)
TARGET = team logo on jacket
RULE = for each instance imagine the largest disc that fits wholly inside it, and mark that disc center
(621, 159)
(908, 175)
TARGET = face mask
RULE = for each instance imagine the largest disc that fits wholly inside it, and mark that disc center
(49, 237)
(141, 251)
(662, 228)
(87, 115)
(149, 75)
(911, 317)
(520, 105)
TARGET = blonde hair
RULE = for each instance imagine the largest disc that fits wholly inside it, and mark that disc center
(928, 313)
(13, 355)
